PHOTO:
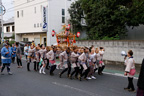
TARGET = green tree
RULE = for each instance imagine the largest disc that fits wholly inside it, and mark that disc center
(107, 19)
(76, 14)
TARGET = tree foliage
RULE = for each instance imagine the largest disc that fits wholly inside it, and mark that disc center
(108, 18)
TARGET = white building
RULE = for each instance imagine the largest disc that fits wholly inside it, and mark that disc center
(9, 28)
(29, 19)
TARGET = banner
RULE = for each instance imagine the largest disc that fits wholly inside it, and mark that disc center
(44, 19)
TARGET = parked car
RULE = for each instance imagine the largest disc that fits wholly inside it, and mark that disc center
(22, 44)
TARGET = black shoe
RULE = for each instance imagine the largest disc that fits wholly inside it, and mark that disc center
(2, 73)
(60, 75)
(79, 77)
(126, 89)
(134, 91)
(51, 74)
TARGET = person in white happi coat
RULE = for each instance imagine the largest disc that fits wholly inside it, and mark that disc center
(66, 58)
(31, 56)
(37, 54)
(74, 61)
(130, 71)
(91, 64)
(51, 55)
(83, 64)
(42, 52)
(101, 52)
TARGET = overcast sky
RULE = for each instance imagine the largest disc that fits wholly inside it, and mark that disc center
(9, 12)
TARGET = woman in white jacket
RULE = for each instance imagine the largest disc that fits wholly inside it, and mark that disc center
(130, 71)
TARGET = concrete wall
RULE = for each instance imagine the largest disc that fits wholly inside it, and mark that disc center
(113, 49)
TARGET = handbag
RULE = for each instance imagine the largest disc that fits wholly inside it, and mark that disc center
(132, 72)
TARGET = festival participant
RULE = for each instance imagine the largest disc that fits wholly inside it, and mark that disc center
(37, 55)
(13, 49)
(60, 65)
(91, 64)
(101, 52)
(18, 55)
(43, 57)
(51, 55)
(98, 59)
(95, 60)
(74, 61)
(83, 64)
(26, 48)
(31, 56)
(66, 59)
(6, 58)
(130, 71)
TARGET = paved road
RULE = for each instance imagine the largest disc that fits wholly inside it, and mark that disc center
(23, 83)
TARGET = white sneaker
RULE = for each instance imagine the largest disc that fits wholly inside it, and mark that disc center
(40, 71)
(89, 78)
(93, 77)
(44, 73)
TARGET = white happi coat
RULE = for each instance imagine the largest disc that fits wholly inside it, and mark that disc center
(30, 53)
(83, 58)
(74, 57)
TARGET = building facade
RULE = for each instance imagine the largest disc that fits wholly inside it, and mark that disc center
(29, 19)
(9, 29)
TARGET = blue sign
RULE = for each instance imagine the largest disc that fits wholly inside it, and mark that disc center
(45, 20)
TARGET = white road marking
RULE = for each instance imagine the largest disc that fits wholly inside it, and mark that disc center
(76, 89)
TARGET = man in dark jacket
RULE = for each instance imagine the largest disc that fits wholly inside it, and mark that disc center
(140, 84)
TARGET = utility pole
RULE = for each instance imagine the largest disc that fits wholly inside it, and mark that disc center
(2, 12)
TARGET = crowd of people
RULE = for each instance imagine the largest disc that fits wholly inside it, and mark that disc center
(85, 61)
(79, 62)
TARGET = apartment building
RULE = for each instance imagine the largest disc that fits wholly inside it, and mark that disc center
(35, 19)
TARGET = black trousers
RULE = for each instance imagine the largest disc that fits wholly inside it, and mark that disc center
(66, 69)
(47, 66)
(28, 66)
(26, 57)
(19, 62)
(100, 69)
(76, 71)
(53, 67)
(85, 73)
(35, 66)
(130, 83)
(13, 59)
(8, 67)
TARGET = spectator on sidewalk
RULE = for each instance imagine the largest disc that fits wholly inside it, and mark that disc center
(140, 84)
(18, 55)
(6, 58)
(130, 71)
(13, 49)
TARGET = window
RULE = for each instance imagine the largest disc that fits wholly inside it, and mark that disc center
(13, 28)
(40, 24)
(63, 15)
(8, 29)
(25, 39)
(63, 19)
(63, 11)
(37, 24)
(22, 13)
(17, 14)
(34, 25)
(35, 10)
